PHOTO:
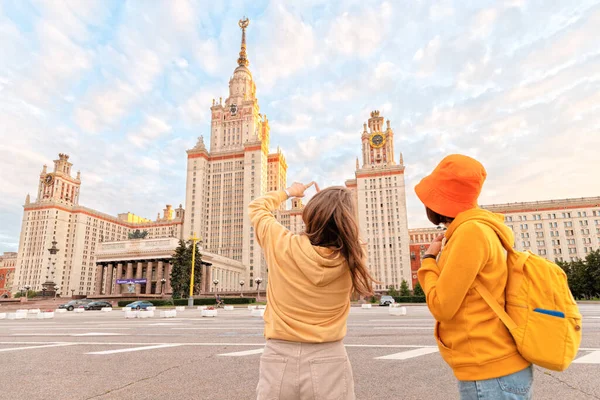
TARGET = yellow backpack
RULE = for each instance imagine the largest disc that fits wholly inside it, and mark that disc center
(541, 313)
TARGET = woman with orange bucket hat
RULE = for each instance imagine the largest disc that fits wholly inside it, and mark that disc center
(471, 338)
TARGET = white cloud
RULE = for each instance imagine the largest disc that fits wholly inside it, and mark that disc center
(152, 129)
(359, 33)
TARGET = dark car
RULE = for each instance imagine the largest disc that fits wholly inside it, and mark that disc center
(97, 305)
(140, 305)
(71, 305)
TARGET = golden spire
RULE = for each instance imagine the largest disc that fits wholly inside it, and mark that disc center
(243, 60)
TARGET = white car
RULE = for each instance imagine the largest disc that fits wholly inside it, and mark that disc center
(386, 300)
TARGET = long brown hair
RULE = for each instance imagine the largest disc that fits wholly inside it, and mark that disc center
(330, 220)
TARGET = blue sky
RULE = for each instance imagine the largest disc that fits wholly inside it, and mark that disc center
(124, 88)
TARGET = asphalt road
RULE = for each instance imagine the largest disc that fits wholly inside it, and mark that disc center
(103, 356)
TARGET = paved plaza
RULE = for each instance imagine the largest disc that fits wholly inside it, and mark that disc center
(96, 355)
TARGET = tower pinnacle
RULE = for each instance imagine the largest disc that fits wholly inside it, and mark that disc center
(243, 60)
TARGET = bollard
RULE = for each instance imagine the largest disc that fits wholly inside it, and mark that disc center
(180, 308)
(106, 309)
(397, 310)
(228, 308)
(258, 312)
(3, 315)
(209, 313)
(366, 306)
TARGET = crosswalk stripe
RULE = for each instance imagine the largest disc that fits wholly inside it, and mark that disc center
(591, 358)
(38, 347)
(160, 346)
(409, 354)
(243, 353)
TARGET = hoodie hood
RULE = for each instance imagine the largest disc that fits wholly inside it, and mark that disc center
(493, 220)
(320, 265)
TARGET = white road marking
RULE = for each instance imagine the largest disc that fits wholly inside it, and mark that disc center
(212, 328)
(99, 334)
(409, 354)
(66, 328)
(160, 346)
(38, 347)
(592, 358)
(243, 353)
(71, 334)
(414, 328)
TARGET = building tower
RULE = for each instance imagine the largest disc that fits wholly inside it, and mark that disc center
(222, 182)
(380, 196)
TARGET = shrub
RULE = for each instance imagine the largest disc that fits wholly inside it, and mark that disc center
(197, 302)
(410, 299)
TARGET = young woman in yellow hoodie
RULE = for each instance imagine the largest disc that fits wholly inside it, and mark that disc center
(470, 336)
(311, 278)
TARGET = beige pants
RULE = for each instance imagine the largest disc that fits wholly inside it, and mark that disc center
(303, 371)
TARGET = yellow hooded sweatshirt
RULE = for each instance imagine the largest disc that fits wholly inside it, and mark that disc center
(308, 290)
(471, 338)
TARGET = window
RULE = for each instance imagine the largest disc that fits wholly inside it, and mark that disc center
(538, 226)
(551, 216)
(537, 217)
(553, 224)
(568, 224)
(524, 226)
(541, 243)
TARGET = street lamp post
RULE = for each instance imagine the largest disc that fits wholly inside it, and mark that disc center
(26, 287)
(194, 239)
(44, 292)
(258, 282)
(56, 291)
(72, 293)
(242, 288)
(216, 282)
(162, 286)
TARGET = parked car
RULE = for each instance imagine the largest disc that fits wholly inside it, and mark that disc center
(97, 305)
(386, 300)
(140, 305)
(71, 305)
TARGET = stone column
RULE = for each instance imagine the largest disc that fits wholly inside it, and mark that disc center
(99, 276)
(119, 276)
(203, 278)
(109, 277)
(129, 274)
(159, 276)
(168, 288)
(138, 275)
(209, 278)
(149, 277)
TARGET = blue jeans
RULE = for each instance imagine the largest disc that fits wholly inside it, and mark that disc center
(517, 386)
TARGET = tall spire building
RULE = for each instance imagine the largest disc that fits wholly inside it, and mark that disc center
(222, 181)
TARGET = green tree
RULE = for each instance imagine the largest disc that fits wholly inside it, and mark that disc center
(404, 290)
(182, 269)
(418, 290)
(392, 291)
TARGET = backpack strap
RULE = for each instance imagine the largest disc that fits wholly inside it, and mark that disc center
(499, 310)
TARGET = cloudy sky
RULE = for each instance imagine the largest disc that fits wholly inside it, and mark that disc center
(125, 87)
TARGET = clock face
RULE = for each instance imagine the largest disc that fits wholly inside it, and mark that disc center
(48, 179)
(377, 140)
(233, 109)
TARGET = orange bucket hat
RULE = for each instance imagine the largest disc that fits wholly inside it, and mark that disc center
(453, 186)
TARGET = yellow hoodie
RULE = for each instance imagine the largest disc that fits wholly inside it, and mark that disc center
(308, 290)
(471, 338)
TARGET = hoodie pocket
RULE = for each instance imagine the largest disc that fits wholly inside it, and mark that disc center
(446, 352)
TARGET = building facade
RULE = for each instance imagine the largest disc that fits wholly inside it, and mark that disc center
(56, 214)
(565, 230)
(8, 261)
(222, 180)
(380, 195)
(419, 243)
(150, 260)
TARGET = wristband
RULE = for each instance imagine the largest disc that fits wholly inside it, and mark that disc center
(428, 256)
(286, 193)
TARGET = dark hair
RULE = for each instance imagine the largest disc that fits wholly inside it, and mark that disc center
(437, 219)
(330, 220)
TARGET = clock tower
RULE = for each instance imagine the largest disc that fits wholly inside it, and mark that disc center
(59, 185)
(380, 196)
(377, 142)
